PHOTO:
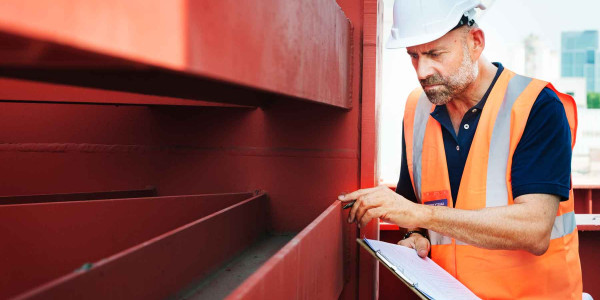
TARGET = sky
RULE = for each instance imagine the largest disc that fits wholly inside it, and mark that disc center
(512, 20)
(505, 23)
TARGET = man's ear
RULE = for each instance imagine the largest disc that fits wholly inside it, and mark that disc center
(476, 42)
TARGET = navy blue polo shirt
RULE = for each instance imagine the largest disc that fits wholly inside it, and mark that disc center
(541, 162)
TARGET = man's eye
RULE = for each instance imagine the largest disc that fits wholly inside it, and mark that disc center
(434, 54)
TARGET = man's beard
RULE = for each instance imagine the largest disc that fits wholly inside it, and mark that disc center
(449, 87)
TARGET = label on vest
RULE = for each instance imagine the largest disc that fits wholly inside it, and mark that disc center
(441, 202)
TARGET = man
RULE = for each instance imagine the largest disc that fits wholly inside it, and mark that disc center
(486, 154)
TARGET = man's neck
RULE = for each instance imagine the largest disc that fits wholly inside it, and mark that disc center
(473, 94)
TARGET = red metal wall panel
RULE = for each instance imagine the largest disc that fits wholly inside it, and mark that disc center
(294, 151)
(302, 154)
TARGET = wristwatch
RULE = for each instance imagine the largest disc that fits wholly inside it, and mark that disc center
(408, 234)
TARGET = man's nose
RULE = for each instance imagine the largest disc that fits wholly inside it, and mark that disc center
(424, 69)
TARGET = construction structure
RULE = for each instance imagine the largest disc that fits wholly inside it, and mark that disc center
(193, 150)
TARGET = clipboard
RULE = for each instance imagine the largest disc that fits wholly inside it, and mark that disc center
(422, 275)
(407, 281)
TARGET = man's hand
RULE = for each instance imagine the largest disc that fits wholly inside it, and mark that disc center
(381, 202)
(417, 242)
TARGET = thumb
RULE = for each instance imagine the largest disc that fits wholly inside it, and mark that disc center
(422, 246)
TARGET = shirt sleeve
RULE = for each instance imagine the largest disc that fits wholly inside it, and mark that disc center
(404, 187)
(542, 161)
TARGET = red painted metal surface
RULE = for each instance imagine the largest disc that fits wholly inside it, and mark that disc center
(354, 11)
(308, 267)
(156, 259)
(587, 196)
(287, 47)
(388, 226)
(292, 150)
(371, 99)
(303, 154)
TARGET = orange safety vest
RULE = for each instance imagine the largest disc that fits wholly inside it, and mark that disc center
(486, 182)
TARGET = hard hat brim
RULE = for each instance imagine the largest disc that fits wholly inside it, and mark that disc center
(395, 43)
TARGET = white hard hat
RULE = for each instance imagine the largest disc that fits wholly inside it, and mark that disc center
(418, 22)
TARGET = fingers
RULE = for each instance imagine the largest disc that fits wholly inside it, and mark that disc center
(354, 195)
(409, 242)
(366, 200)
(422, 245)
(369, 203)
(417, 242)
(359, 206)
(354, 209)
(368, 216)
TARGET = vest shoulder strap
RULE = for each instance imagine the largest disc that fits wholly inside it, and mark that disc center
(409, 121)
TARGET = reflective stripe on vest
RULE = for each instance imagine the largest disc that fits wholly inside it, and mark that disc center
(421, 117)
(496, 189)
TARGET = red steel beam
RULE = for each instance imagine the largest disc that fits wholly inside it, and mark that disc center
(293, 48)
(308, 267)
(18, 90)
(103, 195)
(161, 266)
(371, 99)
(53, 239)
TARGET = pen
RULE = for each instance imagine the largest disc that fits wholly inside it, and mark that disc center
(349, 204)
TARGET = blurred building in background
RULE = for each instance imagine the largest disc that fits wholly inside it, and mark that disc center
(580, 67)
(578, 56)
(539, 60)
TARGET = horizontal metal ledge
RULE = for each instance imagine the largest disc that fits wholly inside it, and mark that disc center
(123, 240)
(239, 151)
(149, 191)
(282, 47)
(19, 90)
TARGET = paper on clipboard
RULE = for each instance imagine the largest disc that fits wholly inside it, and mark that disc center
(422, 274)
